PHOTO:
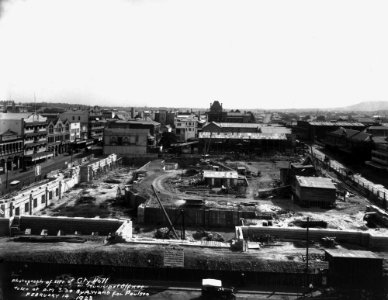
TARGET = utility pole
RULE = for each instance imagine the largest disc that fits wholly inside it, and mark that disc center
(307, 252)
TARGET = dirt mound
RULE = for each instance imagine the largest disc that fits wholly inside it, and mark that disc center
(85, 200)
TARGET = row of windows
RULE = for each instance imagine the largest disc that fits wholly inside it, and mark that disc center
(59, 138)
(35, 127)
(120, 140)
(59, 129)
(187, 124)
(35, 203)
(11, 147)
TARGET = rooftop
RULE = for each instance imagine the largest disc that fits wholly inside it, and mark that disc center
(378, 128)
(345, 253)
(14, 116)
(315, 182)
(243, 135)
(134, 122)
(237, 125)
(220, 174)
(341, 123)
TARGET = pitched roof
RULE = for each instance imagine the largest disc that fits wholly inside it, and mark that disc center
(345, 124)
(346, 253)
(8, 133)
(361, 137)
(315, 182)
(242, 135)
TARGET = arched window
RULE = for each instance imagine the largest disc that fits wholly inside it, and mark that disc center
(51, 128)
(113, 140)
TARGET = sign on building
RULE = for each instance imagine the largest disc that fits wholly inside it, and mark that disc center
(37, 170)
(174, 257)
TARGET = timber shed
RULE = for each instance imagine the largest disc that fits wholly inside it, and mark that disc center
(354, 268)
(314, 191)
(218, 178)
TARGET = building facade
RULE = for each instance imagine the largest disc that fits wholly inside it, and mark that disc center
(35, 139)
(11, 151)
(186, 128)
(379, 155)
(78, 116)
(58, 136)
(75, 131)
(130, 138)
(218, 114)
(96, 124)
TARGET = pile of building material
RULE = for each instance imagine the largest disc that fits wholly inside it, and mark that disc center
(208, 236)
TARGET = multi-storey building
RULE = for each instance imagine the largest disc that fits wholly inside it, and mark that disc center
(33, 129)
(164, 117)
(131, 138)
(35, 139)
(58, 136)
(11, 107)
(11, 151)
(379, 155)
(78, 116)
(96, 124)
(75, 132)
(186, 127)
(91, 122)
(218, 114)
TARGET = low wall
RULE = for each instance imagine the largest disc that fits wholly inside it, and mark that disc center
(204, 217)
(125, 230)
(133, 199)
(91, 169)
(360, 238)
(67, 225)
(35, 198)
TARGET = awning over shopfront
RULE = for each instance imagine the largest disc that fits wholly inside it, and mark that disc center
(38, 156)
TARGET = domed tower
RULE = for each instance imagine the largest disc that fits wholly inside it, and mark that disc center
(216, 107)
(216, 113)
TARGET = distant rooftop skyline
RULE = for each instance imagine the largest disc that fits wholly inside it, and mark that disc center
(246, 54)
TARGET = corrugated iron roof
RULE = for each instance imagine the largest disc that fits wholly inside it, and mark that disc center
(242, 135)
(275, 129)
(325, 123)
(315, 182)
(220, 174)
(237, 125)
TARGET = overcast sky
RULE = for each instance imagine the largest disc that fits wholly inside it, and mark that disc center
(246, 54)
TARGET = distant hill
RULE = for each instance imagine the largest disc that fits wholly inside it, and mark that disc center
(367, 106)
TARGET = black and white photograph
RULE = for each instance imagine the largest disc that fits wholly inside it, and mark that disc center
(193, 149)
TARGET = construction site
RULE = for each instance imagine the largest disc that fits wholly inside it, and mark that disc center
(227, 216)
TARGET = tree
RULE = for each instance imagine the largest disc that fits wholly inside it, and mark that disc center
(167, 139)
